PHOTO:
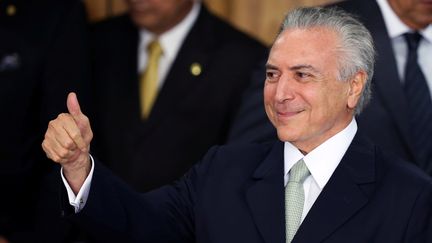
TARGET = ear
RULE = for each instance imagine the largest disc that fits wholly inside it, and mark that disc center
(357, 84)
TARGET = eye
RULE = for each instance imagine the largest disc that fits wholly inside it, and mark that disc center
(302, 74)
(272, 75)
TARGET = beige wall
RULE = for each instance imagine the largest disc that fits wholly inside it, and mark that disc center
(260, 18)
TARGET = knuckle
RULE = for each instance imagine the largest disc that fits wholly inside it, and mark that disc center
(68, 144)
(44, 147)
(74, 134)
(61, 116)
(54, 158)
(63, 153)
(47, 137)
(52, 124)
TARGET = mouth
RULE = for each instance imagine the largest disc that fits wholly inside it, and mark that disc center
(287, 114)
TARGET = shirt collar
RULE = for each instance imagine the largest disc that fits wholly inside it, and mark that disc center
(395, 26)
(172, 39)
(323, 160)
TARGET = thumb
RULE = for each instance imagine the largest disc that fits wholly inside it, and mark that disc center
(73, 105)
(80, 120)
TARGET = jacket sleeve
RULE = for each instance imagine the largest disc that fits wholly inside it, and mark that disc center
(116, 213)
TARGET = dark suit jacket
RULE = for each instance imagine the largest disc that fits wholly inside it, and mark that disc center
(385, 119)
(236, 194)
(191, 113)
(43, 56)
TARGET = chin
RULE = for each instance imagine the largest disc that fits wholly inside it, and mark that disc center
(285, 136)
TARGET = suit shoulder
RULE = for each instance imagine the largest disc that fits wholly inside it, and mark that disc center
(404, 172)
(112, 25)
(361, 9)
(240, 150)
(223, 158)
(224, 31)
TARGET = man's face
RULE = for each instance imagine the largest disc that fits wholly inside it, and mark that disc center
(417, 14)
(158, 16)
(302, 96)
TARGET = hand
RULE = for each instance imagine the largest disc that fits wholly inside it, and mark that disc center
(67, 142)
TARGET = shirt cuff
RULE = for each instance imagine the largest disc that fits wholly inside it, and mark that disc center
(79, 201)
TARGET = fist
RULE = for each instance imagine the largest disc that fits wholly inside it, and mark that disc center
(67, 140)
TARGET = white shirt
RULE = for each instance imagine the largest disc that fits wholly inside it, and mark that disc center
(78, 201)
(321, 162)
(396, 28)
(170, 41)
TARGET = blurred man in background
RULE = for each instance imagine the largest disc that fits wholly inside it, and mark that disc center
(168, 77)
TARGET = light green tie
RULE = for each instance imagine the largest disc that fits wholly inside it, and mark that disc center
(294, 198)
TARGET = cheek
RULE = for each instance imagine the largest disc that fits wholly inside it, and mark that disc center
(268, 93)
(332, 107)
(323, 105)
(268, 100)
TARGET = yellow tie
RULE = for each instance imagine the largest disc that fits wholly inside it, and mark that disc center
(149, 79)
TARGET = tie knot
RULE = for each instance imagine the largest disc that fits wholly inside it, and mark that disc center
(299, 172)
(413, 40)
(154, 48)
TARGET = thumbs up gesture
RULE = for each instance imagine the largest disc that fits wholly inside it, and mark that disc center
(67, 142)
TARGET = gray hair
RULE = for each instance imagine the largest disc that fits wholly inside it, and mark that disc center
(357, 50)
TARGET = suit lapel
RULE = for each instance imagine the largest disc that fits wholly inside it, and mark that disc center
(116, 82)
(343, 196)
(265, 196)
(180, 81)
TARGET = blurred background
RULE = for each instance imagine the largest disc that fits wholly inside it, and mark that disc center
(260, 18)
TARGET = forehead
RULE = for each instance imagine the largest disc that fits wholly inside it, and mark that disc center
(312, 45)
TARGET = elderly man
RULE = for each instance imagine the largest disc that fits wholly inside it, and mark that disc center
(399, 117)
(323, 182)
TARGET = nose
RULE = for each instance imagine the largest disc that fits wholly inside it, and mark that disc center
(285, 89)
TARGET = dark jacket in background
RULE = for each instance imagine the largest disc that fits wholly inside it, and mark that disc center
(191, 113)
(43, 56)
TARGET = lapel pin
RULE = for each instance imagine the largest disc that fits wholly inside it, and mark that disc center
(195, 69)
(11, 10)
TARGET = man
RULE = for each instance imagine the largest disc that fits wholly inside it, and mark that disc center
(389, 120)
(204, 67)
(339, 186)
(43, 53)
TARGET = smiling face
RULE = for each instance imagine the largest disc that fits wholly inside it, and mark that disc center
(302, 96)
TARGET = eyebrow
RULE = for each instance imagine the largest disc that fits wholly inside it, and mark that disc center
(270, 66)
(304, 66)
(294, 68)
